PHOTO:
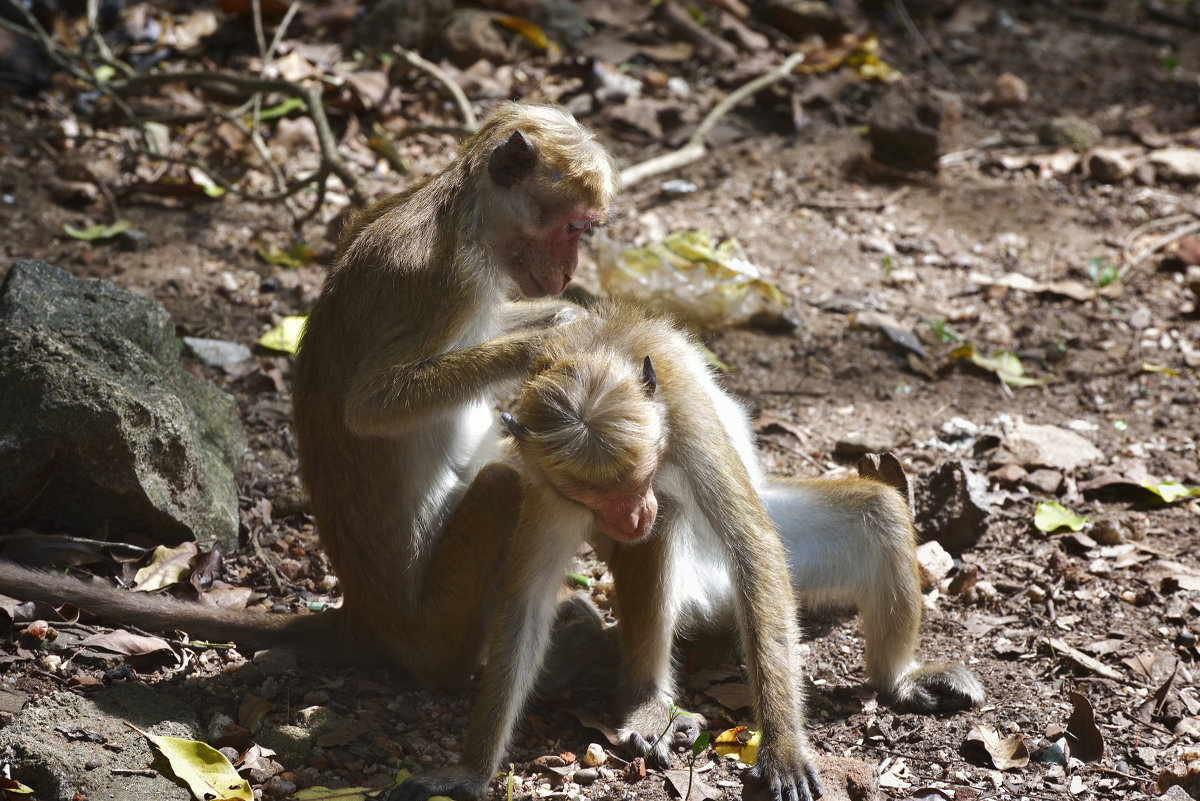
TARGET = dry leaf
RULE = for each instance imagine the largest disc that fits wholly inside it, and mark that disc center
(1006, 752)
(167, 566)
(205, 770)
(1087, 744)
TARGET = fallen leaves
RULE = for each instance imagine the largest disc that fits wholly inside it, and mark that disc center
(205, 770)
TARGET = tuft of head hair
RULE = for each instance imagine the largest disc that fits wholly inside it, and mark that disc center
(590, 421)
(570, 158)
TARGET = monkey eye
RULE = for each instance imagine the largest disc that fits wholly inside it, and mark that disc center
(578, 225)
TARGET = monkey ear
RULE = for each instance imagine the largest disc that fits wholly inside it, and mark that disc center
(512, 161)
(649, 377)
(514, 426)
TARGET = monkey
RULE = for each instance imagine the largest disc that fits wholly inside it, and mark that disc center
(437, 300)
(622, 437)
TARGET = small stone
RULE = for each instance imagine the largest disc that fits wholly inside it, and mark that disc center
(1008, 475)
(1047, 481)
(1177, 164)
(1069, 131)
(1109, 166)
(216, 352)
(1008, 90)
(470, 35)
(1107, 531)
(586, 776)
(595, 756)
(275, 661)
(635, 770)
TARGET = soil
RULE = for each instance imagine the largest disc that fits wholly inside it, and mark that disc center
(844, 248)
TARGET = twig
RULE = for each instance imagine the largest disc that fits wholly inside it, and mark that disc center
(1134, 258)
(694, 148)
(133, 772)
(437, 73)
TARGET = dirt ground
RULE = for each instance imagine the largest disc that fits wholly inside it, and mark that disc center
(932, 254)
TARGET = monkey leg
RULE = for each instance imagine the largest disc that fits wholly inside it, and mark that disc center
(851, 541)
(443, 638)
(647, 612)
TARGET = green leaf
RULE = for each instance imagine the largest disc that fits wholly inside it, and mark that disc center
(285, 336)
(104, 73)
(282, 110)
(1051, 516)
(204, 769)
(700, 744)
(578, 579)
(98, 231)
(1005, 364)
(1171, 491)
(1102, 271)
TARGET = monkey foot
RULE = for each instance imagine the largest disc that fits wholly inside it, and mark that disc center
(940, 688)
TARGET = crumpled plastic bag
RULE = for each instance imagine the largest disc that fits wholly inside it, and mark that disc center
(690, 274)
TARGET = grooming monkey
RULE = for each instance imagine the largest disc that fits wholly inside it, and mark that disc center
(412, 337)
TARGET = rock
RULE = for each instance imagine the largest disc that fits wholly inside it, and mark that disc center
(1109, 166)
(470, 36)
(1178, 164)
(913, 125)
(1008, 90)
(595, 756)
(934, 563)
(216, 352)
(1008, 475)
(292, 744)
(802, 18)
(585, 776)
(1047, 481)
(100, 429)
(1069, 131)
(952, 506)
(1046, 446)
(41, 746)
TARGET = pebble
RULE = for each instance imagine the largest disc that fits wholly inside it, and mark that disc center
(595, 756)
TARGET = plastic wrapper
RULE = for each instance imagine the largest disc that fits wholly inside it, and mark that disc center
(691, 275)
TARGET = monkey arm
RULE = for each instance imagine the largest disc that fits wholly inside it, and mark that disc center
(392, 392)
(764, 601)
(648, 607)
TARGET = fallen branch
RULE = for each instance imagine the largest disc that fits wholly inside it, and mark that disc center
(470, 122)
(694, 148)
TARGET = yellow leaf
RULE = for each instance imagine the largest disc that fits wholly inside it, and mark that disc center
(738, 742)
(285, 336)
(528, 30)
(204, 769)
(167, 566)
(1005, 364)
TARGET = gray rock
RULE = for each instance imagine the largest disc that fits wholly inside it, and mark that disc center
(469, 36)
(99, 427)
(1069, 131)
(952, 506)
(53, 741)
(912, 125)
(1033, 446)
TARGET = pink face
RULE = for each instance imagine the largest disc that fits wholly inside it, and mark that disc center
(544, 264)
(626, 515)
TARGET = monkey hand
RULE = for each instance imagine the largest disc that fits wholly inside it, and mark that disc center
(655, 746)
(456, 782)
(567, 314)
(786, 770)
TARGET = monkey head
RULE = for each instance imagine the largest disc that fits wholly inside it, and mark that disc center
(542, 181)
(595, 433)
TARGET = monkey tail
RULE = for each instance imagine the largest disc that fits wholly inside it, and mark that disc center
(321, 636)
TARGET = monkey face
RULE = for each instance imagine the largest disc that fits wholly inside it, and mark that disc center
(624, 515)
(544, 262)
